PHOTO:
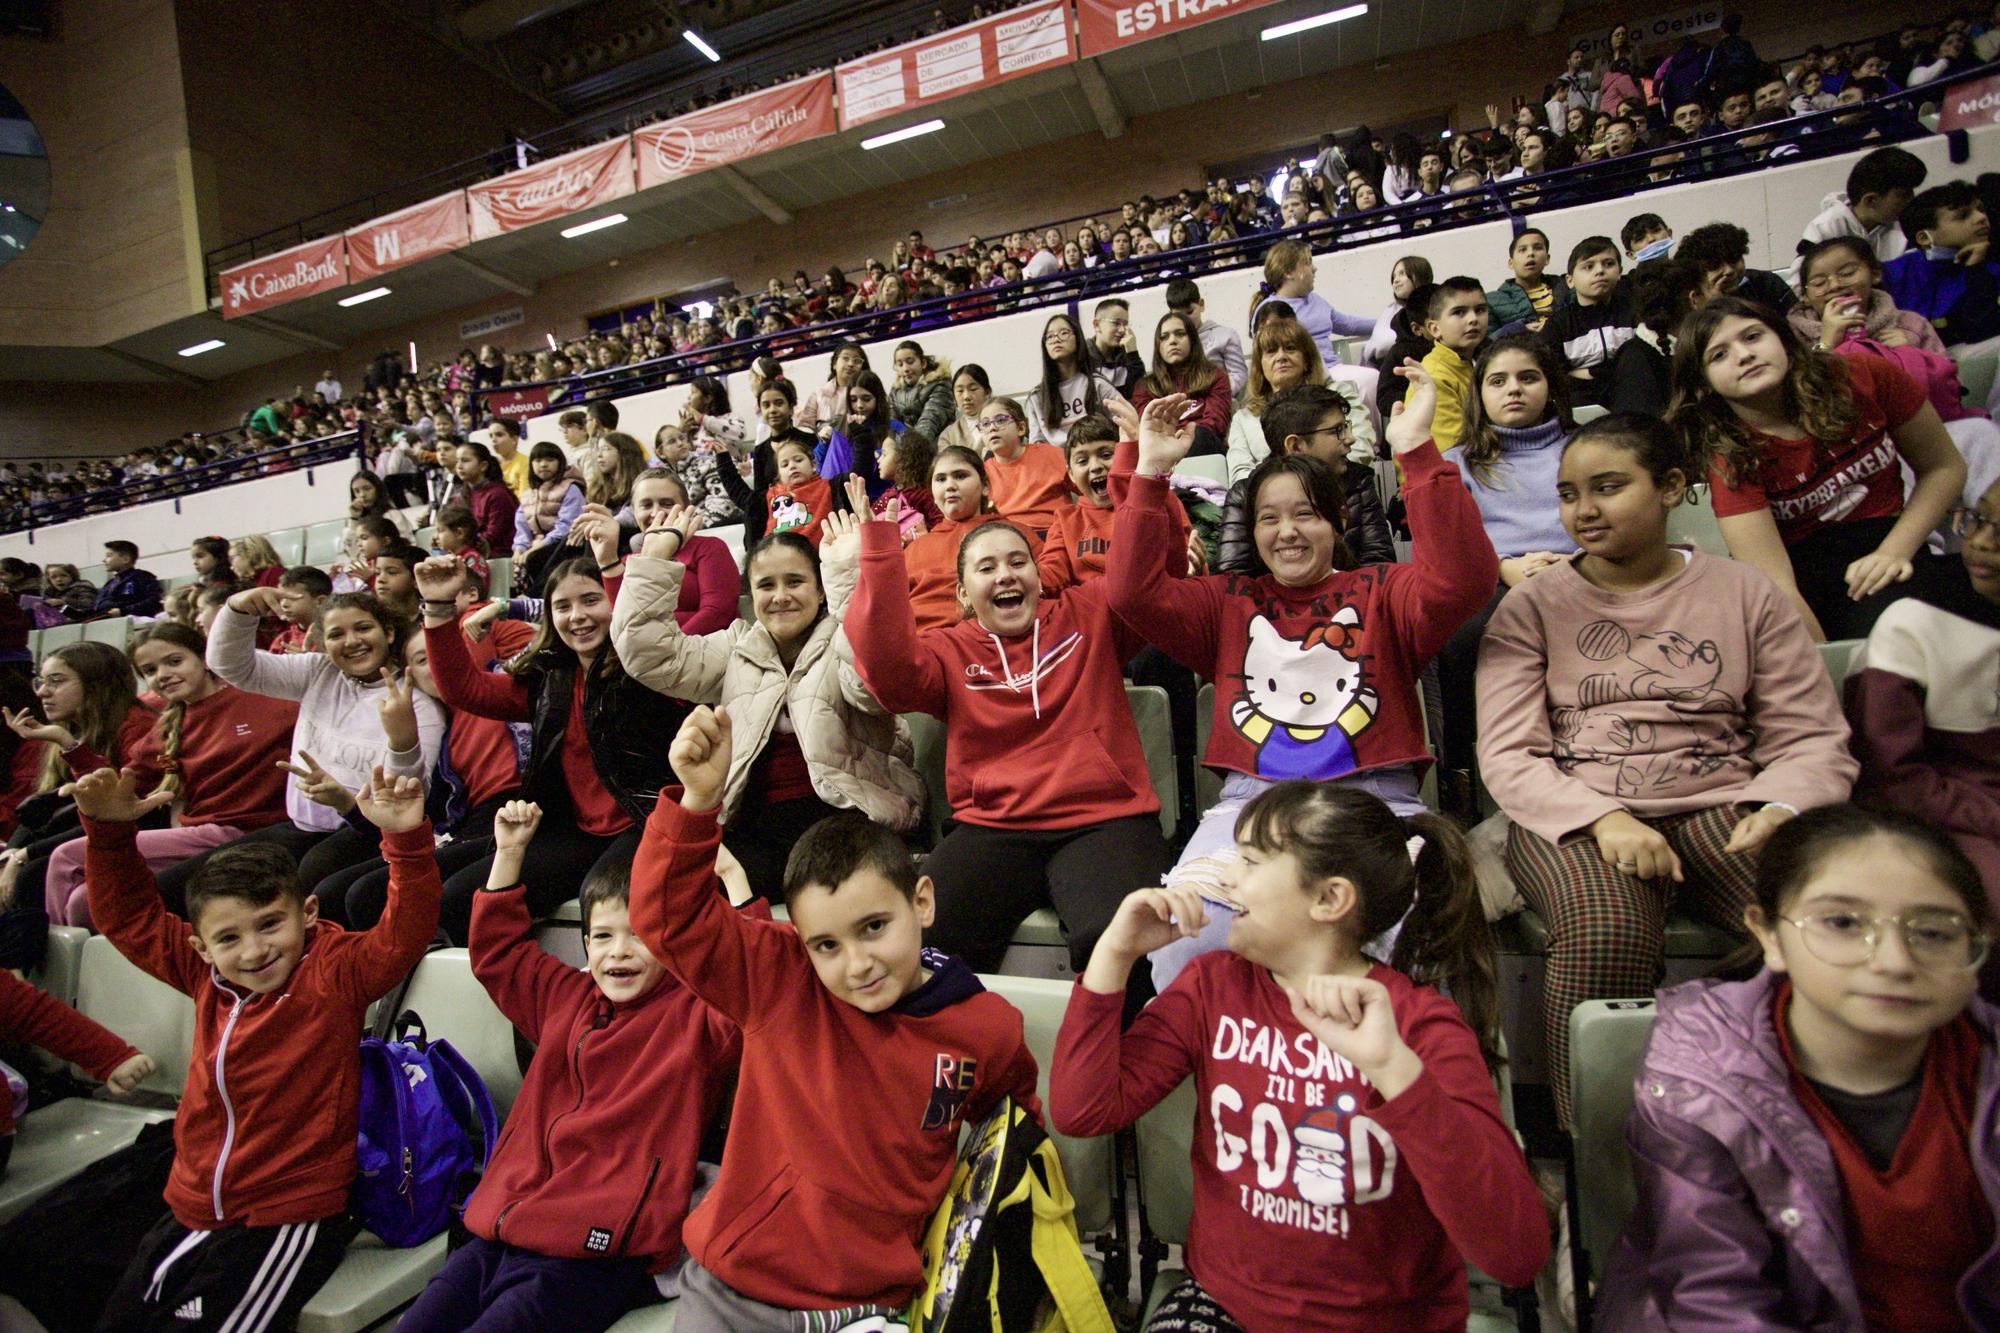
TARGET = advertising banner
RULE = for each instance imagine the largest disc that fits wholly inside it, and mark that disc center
(974, 55)
(1110, 24)
(551, 189)
(739, 128)
(407, 235)
(316, 266)
(1970, 104)
(518, 404)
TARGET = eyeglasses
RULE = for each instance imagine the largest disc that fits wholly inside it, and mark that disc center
(993, 423)
(1341, 432)
(1971, 523)
(1938, 940)
(1847, 272)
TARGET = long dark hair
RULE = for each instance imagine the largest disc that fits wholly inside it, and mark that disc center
(1192, 376)
(1481, 442)
(109, 692)
(878, 420)
(1324, 492)
(1338, 831)
(1817, 396)
(714, 393)
(547, 644)
(1050, 390)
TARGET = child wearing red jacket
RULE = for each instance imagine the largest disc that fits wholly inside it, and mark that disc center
(582, 1203)
(801, 499)
(1079, 541)
(37, 1018)
(863, 1055)
(1315, 663)
(264, 1142)
(1349, 1152)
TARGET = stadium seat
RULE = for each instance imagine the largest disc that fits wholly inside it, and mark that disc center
(150, 1014)
(1976, 372)
(115, 630)
(290, 544)
(1207, 785)
(34, 645)
(927, 736)
(95, 574)
(1212, 466)
(60, 636)
(500, 580)
(1589, 412)
(652, 1319)
(62, 961)
(1839, 657)
(375, 1279)
(1692, 523)
(1607, 1040)
(1154, 716)
(322, 542)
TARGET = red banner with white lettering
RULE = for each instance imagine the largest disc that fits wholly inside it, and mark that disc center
(518, 404)
(1110, 24)
(551, 189)
(407, 235)
(739, 128)
(316, 266)
(975, 55)
(1971, 104)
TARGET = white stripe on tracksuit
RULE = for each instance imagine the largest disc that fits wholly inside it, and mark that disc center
(274, 1279)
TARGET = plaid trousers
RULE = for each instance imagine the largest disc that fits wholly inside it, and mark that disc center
(1607, 930)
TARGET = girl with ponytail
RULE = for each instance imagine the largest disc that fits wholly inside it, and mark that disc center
(1325, 1077)
(218, 749)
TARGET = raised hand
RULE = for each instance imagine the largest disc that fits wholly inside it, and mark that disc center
(28, 727)
(1165, 434)
(255, 602)
(601, 531)
(840, 537)
(319, 786)
(398, 711)
(857, 497)
(129, 1075)
(1354, 1018)
(700, 756)
(394, 805)
(440, 578)
(515, 824)
(111, 796)
(1409, 424)
(735, 879)
(1123, 415)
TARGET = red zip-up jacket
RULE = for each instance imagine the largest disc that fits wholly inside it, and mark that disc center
(597, 1157)
(1037, 730)
(38, 1018)
(845, 1129)
(265, 1133)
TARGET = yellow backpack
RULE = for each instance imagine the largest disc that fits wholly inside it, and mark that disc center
(1002, 1253)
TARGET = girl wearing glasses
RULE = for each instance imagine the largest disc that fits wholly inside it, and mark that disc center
(1648, 714)
(1921, 698)
(1813, 1147)
(1029, 482)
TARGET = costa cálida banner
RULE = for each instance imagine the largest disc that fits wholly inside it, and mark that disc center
(316, 266)
(551, 189)
(407, 235)
(731, 131)
(973, 55)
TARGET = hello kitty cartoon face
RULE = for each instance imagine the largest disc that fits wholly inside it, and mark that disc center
(1302, 701)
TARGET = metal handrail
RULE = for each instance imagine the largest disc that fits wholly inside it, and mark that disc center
(187, 481)
(1715, 156)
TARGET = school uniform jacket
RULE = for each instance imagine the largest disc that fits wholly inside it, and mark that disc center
(597, 1157)
(31, 1015)
(266, 1127)
(845, 1129)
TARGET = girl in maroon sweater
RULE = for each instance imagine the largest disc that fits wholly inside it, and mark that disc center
(1181, 366)
(477, 486)
(1349, 1152)
(218, 749)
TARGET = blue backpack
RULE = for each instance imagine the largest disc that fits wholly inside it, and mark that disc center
(427, 1132)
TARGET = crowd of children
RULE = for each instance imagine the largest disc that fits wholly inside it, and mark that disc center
(327, 770)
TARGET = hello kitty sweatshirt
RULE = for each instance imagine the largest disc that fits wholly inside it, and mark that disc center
(1314, 682)
(1702, 689)
(1037, 731)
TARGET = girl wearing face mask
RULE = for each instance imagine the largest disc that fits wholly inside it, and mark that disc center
(820, 410)
(594, 761)
(220, 750)
(1530, 296)
(1050, 801)
(1315, 662)
(1814, 1149)
(341, 694)
(970, 388)
(1647, 716)
(922, 397)
(811, 740)
(1802, 451)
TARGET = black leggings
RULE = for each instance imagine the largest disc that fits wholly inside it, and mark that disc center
(1456, 688)
(560, 858)
(355, 895)
(761, 837)
(1819, 565)
(989, 879)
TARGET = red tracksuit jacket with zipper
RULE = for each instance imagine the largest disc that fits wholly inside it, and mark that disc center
(597, 1157)
(266, 1129)
(845, 1129)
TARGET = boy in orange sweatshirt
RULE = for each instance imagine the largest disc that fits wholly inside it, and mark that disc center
(863, 1054)
(264, 1142)
(582, 1205)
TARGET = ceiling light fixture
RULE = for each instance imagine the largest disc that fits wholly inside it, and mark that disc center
(199, 348)
(694, 40)
(363, 298)
(1316, 21)
(596, 224)
(907, 132)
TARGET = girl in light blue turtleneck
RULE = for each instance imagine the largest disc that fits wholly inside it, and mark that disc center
(1515, 427)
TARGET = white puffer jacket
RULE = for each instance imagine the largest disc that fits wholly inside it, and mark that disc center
(857, 754)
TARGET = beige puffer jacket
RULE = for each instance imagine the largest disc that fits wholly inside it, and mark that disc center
(857, 754)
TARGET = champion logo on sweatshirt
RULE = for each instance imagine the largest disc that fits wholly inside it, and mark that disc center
(1018, 681)
(952, 1077)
